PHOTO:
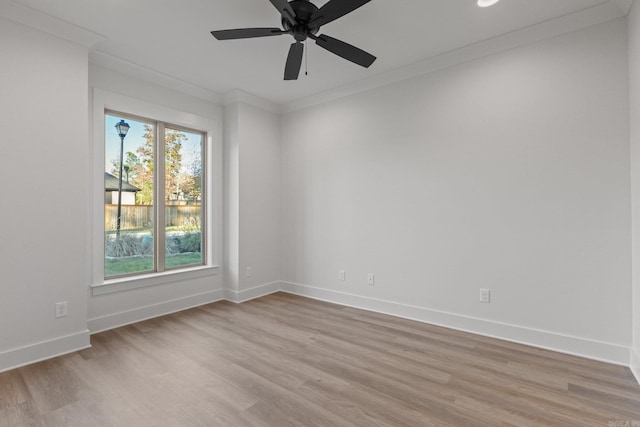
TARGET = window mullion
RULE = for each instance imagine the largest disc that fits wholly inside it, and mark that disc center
(204, 188)
(160, 198)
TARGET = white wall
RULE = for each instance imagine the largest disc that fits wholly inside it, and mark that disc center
(43, 117)
(169, 294)
(260, 196)
(509, 173)
(634, 74)
(252, 155)
(231, 199)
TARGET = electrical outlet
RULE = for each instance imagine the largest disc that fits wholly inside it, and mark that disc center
(249, 271)
(485, 296)
(371, 279)
(342, 276)
(62, 309)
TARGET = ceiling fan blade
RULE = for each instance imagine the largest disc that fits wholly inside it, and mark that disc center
(294, 61)
(285, 10)
(246, 33)
(333, 10)
(345, 50)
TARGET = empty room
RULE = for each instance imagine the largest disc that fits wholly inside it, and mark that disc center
(320, 213)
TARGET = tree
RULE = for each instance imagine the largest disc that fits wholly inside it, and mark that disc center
(131, 162)
(144, 169)
(141, 165)
(192, 172)
(173, 140)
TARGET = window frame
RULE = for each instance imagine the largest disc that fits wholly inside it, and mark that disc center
(105, 102)
(161, 177)
(159, 196)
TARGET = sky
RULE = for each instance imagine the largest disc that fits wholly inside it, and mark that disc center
(135, 138)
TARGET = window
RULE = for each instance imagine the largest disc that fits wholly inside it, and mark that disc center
(161, 254)
(155, 196)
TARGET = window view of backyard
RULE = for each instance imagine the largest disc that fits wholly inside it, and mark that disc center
(135, 243)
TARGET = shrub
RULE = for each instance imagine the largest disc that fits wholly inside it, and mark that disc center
(172, 245)
(128, 244)
(190, 242)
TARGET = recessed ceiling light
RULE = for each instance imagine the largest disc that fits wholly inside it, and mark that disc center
(487, 3)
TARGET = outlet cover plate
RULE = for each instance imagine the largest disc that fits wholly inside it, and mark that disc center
(485, 296)
(62, 309)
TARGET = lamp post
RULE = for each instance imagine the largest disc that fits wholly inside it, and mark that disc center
(122, 128)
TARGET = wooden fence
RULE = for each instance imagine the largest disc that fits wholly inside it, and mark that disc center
(138, 216)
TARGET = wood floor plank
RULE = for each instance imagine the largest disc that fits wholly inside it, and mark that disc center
(284, 360)
(21, 414)
(13, 389)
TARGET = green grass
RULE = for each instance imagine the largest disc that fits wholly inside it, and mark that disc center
(183, 259)
(120, 266)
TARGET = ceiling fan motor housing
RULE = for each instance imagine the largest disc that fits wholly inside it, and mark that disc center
(304, 9)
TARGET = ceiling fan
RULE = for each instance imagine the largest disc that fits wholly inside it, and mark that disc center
(302, 19)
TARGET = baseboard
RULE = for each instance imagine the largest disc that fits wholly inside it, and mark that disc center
(100, 324)
(139, 314)
(43, 350)
(635, 364)
(606, 352)
(252, 293)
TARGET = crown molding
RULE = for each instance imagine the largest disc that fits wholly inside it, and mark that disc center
(236, 96)
(48, 24)
(143, 73)
(599, 14)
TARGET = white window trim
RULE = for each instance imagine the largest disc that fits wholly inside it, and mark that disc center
(105, 100)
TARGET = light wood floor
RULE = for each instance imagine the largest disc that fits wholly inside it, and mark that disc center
(284, 361)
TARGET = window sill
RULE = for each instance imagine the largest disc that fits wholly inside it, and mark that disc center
(142, 281)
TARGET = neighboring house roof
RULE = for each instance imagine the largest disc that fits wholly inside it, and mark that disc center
(111, 184)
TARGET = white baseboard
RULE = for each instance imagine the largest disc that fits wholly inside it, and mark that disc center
(139, 314)
(606, 352)
(635, 364)
(252, 293)
(43, 350)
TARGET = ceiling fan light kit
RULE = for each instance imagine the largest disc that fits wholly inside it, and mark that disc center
(302, 20)
(487, 3)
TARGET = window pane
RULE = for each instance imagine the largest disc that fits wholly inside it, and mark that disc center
(183, 194)
(128, 243)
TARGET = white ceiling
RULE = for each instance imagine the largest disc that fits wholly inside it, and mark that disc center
(172, 37)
